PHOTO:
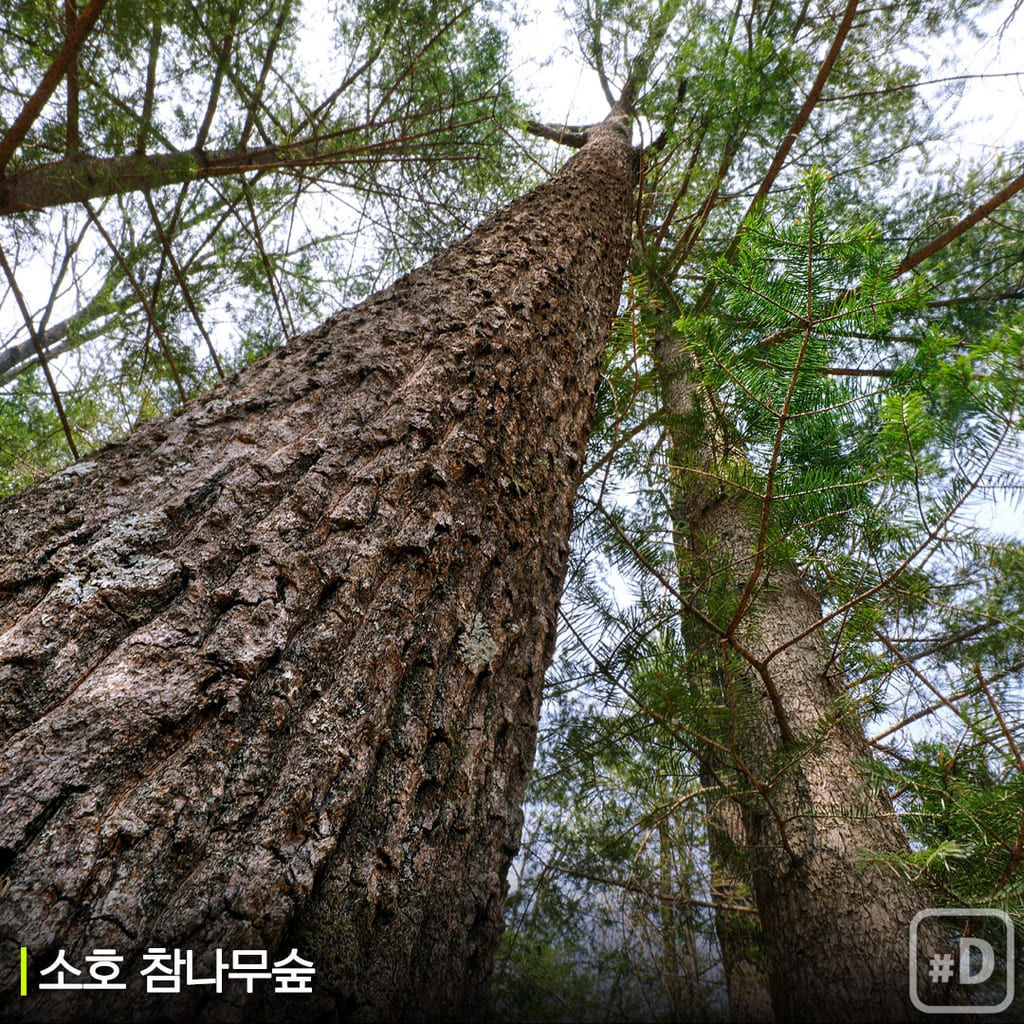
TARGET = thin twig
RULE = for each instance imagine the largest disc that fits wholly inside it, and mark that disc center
(141, 296)
(27, 316)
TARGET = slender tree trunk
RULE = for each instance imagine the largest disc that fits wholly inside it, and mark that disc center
(673, 969)
(740, 936)
(271, 669)
(835, 923)
(739, 932)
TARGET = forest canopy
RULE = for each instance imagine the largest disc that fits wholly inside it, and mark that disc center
(797, 549)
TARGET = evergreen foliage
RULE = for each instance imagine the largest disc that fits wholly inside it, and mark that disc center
(862, 415)
(272, 186)
(783, 345)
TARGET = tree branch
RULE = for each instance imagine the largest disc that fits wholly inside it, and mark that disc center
(141, 295)
(149, 98)
(565, 136)
(218, 77)
(72, 142)
(85, 178)
(977, 214)
(56, 71)
(51, 383)
(179, 276)
(255, 100)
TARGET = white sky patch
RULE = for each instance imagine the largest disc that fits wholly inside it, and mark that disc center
(554, 79)
(993, 107)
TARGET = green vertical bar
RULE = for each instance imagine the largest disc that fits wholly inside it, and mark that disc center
(24, 970)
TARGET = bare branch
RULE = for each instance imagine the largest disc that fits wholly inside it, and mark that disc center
(51, 383)
(255, 101)
(803, 115)
(141, 296)
(148, 102)
(218, 77)
(186, 292)
(979, 213)
(565, 136)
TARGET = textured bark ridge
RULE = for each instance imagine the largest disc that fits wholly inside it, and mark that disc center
(271, 669)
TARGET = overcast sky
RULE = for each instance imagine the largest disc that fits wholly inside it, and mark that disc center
(563, 89)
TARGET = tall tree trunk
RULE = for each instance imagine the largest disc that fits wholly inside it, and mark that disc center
(271, 669)
(696, 444)
(835, 923)
(677, 976)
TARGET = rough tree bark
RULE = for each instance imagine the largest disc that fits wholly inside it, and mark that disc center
(739, 933)
(271, 669)
(804, 826)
